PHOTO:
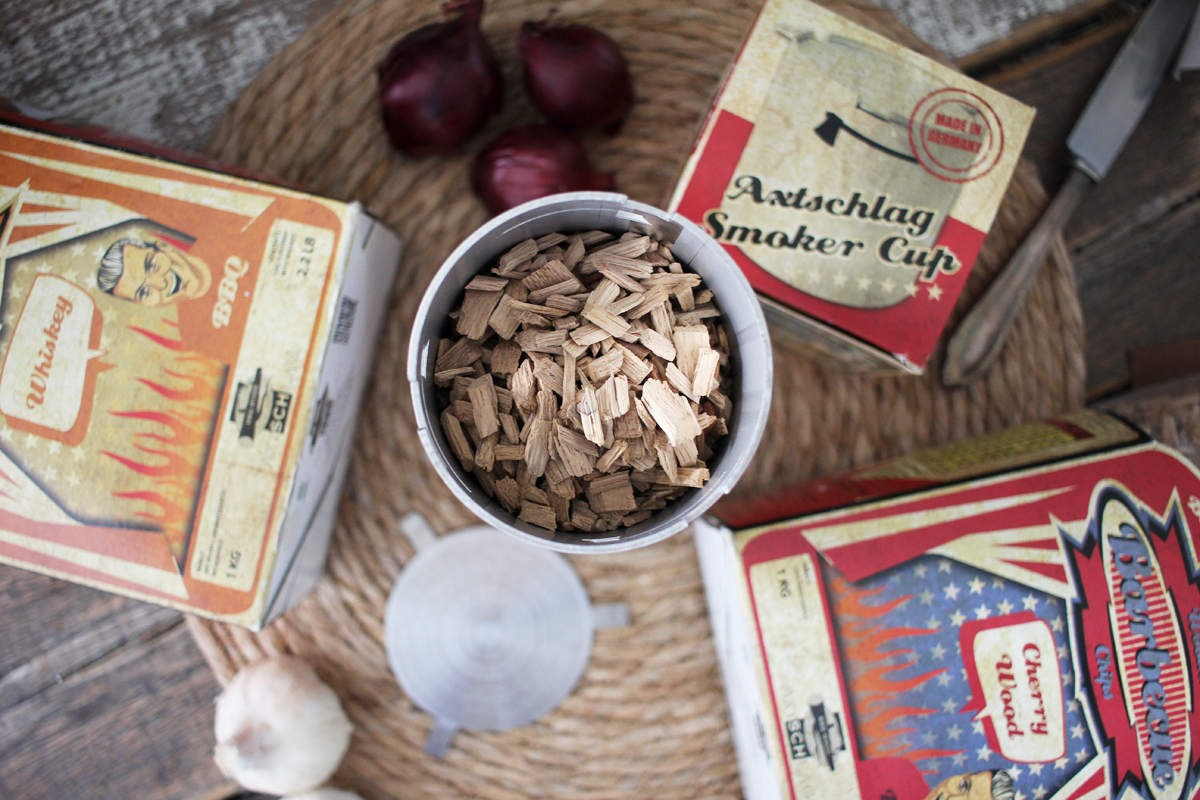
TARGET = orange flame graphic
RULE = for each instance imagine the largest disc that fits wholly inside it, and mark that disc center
(172, 447)
(871, 655)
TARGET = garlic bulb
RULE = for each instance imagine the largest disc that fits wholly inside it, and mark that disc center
(279, 728)
(324, 794)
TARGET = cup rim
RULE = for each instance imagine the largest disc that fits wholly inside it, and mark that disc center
(753, 407)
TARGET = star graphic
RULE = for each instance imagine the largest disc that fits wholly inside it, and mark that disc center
(912, 289)
(32, 441)
(1062, 651)
(864, 283)
(944, 565)
(1068, 679)
(1081, 756)
(78, 455)
(933, 764)
(928, 738)
(1077, 731)
(814, 275)
(72, 275)
(51, 473)
(54, 447)
(977, 726)
(939, 652)
(1057, 624)
(932, 623)
(73, 479)
(943, 679)
(926, 597)
(1004, 607)
(959, 759)
(1035, 769)
(1073, 704)
(77, 249)
(99, 252)
(1019, 795)
(957, 618)
(976, 586)
(1014, 772)
(24, 268)
(950, 706)
(997, 583)
(1061, 763)
(44, 268)
(920, 569)
(887, 285)
(839, 280)
(1030, 602)
(935, 292)
(954, 733)
(983, 753)
(983, 612)
(1039, 793)
(952, 591)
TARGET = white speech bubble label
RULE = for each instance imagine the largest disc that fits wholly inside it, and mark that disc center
(45, 369)
(1022, 691)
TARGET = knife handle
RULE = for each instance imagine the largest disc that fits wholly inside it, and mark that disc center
(980, 336)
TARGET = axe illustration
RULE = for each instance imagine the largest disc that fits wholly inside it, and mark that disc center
(833, 124)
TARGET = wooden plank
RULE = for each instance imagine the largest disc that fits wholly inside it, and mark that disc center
(1140, 290)
(1049, 30)
(160, 70)
(41, 614)
(136, 723)
(1058, 83)
(960, 27)
(1128, 239)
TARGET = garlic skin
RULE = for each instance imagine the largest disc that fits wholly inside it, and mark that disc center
(324, 794)
(280, 729)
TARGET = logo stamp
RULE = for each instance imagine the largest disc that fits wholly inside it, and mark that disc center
(955, 135)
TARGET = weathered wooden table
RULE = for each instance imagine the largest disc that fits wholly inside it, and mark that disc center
(102, 697)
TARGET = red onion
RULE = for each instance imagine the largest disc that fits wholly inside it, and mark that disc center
(533, 161)
(576, 75)
(440, 83)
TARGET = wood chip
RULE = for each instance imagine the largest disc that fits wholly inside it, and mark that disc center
(689, 342)
(483, 405)
(458, 440)
(487, 283)
(537, 514)
(506, 357)
(671, 412)
(605, 319)
(611, 493)
(589, 415)
(704, 379)
(517, 256)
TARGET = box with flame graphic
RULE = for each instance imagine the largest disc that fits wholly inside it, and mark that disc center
(1016, 616)
(182, 355)
(852, 180)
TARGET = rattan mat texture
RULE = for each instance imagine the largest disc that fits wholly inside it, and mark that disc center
(648, 719)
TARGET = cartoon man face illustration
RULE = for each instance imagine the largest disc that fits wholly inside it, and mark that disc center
(153, 273)
(989, 785)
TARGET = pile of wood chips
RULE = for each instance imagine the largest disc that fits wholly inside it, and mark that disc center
(588, 382)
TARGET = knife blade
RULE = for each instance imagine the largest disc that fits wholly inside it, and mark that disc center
(1110, 117)
(1117, 105)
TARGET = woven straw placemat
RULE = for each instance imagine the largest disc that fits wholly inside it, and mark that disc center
(648, 718)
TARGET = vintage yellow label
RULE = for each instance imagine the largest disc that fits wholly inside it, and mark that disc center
(850, 178)
(250, 454)
(802, 677)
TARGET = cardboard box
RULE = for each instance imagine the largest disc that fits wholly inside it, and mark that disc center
(1016, 615)
(182, 355)
(852, 180)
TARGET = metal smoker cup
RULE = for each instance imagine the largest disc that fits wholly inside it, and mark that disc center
(750, 355)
